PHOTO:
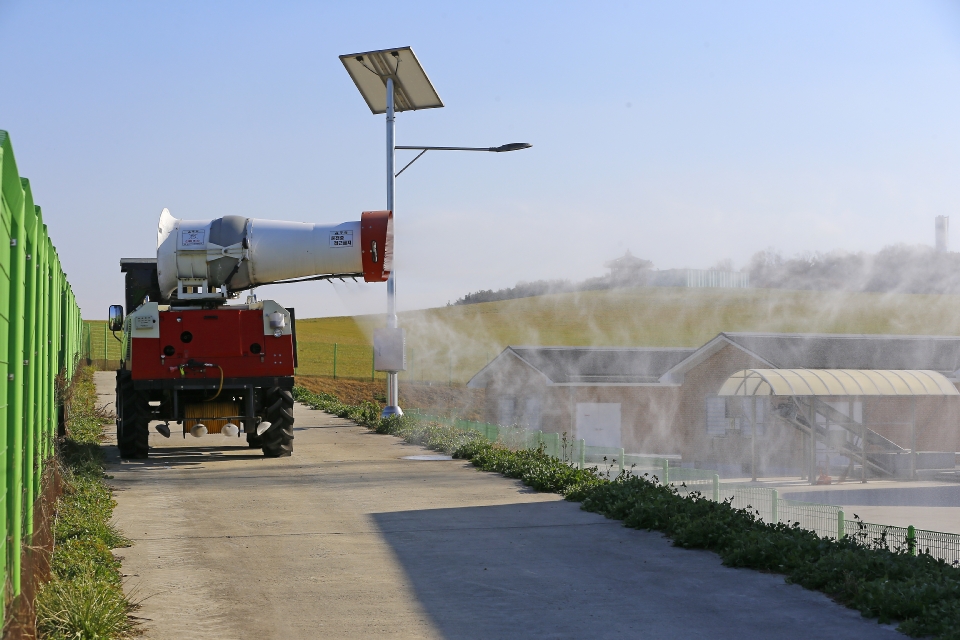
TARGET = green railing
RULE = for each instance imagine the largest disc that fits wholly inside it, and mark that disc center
(99, 345)
(40, 338)
(355, 362)
(336, 360)
(939, 545)
(945, 546)
(828, 521)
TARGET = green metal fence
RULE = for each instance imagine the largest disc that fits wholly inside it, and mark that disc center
(337, 360)
(40, 337)
(100, 346)
(945, 546)
(355, 361)
(828, 521)
(897, 538)
(689, 481)
(939, 545)
(825, 519)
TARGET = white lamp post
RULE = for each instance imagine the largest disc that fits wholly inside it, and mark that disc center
(392, 80)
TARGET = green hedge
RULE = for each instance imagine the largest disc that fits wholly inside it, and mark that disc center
(920, 592)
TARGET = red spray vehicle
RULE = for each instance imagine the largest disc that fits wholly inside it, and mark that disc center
(193, 356)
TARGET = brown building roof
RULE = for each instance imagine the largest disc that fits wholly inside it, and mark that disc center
(819, 351)
(611, 365)
(607, 365)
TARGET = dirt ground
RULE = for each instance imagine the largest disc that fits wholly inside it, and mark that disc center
(437, 399)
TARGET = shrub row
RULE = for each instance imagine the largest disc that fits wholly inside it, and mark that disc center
(85, 597)
(922, 593)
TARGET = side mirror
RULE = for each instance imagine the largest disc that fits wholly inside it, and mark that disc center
(115, 318)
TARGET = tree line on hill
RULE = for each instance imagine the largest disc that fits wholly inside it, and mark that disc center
(897, 268)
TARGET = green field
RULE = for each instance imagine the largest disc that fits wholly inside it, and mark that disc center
(453, 343)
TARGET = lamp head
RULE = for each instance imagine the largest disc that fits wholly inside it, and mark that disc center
(513, 146)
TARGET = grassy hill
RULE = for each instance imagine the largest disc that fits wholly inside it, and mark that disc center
(453, 343)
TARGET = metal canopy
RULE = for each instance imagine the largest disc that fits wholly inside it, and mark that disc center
(411, 86)
(837, 382)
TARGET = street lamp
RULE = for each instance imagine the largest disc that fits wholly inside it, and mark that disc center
(513, 146)
(392, 80)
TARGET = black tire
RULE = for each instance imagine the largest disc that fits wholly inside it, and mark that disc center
(277, 441)
(133, 418)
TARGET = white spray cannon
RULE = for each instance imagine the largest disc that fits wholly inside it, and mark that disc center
(211, 259)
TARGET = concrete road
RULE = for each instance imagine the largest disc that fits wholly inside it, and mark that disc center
(347, 539)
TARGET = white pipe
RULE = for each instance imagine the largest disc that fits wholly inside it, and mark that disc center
(268, 251)
(391, 185)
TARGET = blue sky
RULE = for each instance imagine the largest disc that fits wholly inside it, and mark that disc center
(688, 132)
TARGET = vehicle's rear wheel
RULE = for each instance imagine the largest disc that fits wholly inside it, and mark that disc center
(133, 418)
(277, 441)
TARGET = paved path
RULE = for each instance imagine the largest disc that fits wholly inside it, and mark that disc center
(347, 539)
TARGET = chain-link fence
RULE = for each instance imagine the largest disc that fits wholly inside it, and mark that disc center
(355, 361)
(100, 346)
(336, 360)
(945, 546)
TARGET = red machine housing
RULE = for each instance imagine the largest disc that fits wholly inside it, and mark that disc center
(376, 245)
(232, 339)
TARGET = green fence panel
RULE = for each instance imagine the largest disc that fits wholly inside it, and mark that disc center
(945, 546)
(12, 214)
(756, 500)
(101, 347)
(641, 464)
(29, 368)
(41, 337)
(690, 481)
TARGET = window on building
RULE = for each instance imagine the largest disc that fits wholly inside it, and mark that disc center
(531, 413)
(717, 421)
(507, 414)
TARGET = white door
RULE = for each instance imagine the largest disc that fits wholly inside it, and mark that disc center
(598, 423)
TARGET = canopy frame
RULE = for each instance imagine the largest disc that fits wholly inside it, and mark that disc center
(850, 383)
(837, 383)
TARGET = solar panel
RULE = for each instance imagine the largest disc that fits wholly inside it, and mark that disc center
(411, 86)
